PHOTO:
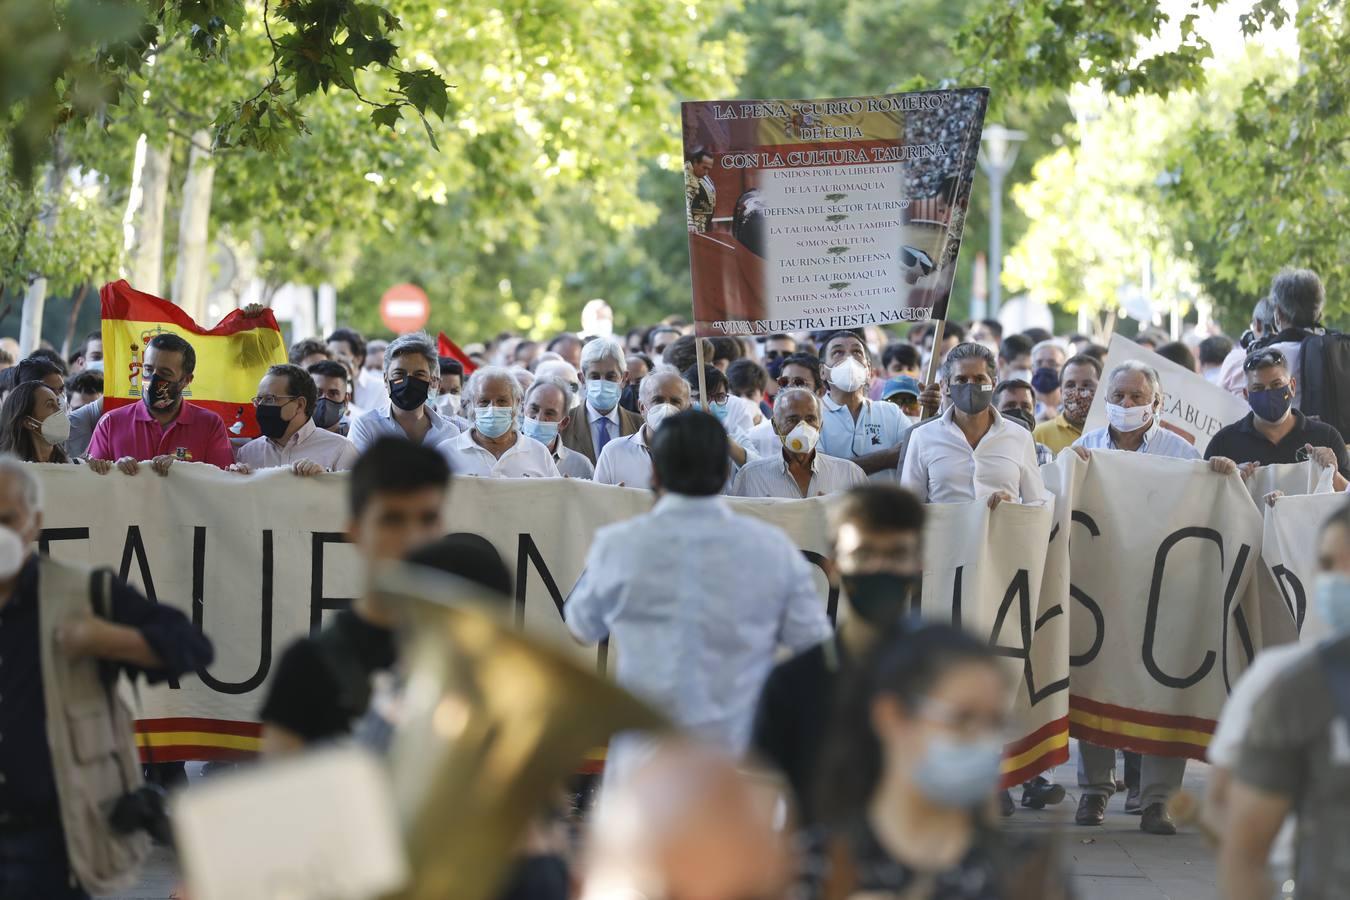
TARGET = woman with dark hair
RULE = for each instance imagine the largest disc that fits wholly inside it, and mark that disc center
(909, 783)
(34, 424)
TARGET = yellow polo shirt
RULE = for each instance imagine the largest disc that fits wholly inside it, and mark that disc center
(1057, 434)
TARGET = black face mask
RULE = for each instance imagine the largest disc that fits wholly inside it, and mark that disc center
(270, 422)
(409, 393)
(327, 413)
(1018, 414)
(881, 598)
(161, 394)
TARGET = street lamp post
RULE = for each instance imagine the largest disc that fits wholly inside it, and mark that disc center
(998, 153)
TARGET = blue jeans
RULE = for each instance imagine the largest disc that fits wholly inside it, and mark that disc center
(34, 865)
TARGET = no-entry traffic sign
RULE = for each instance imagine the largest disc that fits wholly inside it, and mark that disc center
(404, 308)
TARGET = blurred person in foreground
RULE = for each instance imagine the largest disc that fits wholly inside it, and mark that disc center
(698, 626)
(1293, 751)
(64, 756)
(322, 684)
(876, 533)
(910, 777)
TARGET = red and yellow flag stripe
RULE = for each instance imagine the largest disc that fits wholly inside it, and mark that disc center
(232, 357)
(182, 739)
(1044, 748)
(1160, 734)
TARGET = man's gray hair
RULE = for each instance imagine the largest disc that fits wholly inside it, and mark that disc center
(32, 488)
(603, 349)
(556, 368)
(1263, 314)
(787, 394)
(1059, 345)
(648, 388)
(417, 343)
(1299, 296)
(485, 374)
(552, 381)
(1143, 368)
(969, 350)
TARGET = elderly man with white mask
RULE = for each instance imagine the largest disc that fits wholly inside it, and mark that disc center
(627, 461)
(1134, 412)
(799, 470)
(494, 448)
(600, 419)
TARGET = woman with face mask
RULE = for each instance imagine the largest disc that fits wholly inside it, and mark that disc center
(908, 784)
(494, 447)
(34, 424)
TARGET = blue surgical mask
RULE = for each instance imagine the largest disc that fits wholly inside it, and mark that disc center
(543, 432)
(720, 410)
(95, 365)
(603, 395)
(493, 421)
(959, 774)
(1331, 595)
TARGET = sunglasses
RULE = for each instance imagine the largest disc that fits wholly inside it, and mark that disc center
(786, 382)
(1262, 358)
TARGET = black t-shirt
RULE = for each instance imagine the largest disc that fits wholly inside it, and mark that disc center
(794, 714)
(322, 683)
(1242, 443)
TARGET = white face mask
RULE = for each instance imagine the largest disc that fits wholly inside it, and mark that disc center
(1019, 375)
(12, 552)
(448, 404)
(801, 439)
(1128, 418)
(56, 427)
(849, 375)
(658, 414)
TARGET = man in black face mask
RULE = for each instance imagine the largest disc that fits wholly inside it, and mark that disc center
(1017, 400)
(284, 406)
(877, 532)
(412, 374)
(334, 383)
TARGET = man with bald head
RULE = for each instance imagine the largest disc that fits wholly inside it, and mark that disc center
(546, 414)
(627, 461)
(798, 470)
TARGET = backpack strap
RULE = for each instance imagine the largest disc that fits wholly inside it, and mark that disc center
(100, 600)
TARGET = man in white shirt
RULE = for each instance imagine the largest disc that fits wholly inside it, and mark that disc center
(1134, 404)
(412, 373)
(696, 627)
(604, 372)
(855, 427)
(545, 414)
(284, 407)
(971, 452)
(628, 461)
(368, 390)
(493, 447)
(800, 370)
(797, 470)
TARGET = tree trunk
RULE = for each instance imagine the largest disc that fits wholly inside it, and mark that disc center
(75, 306)
(30, 324)
(189, 283)
(143, 223)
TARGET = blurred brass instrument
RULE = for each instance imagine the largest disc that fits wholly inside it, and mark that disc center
(491, 722)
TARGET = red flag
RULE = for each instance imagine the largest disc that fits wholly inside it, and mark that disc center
(448, 348)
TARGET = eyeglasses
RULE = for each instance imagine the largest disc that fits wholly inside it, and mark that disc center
(720, 398)
(786, 382)
(1259, 359)
(776, 354)
(273, 400)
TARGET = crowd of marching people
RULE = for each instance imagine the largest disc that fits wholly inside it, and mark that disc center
(887, 734)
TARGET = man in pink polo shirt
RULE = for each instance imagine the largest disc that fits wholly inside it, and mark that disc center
(164, 426)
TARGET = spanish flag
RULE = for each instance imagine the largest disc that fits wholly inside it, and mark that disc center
(231, 358)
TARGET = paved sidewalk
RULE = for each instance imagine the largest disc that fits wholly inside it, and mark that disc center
(1114, 862)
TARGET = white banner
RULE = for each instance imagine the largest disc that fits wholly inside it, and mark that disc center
(1192, 407)
(1293, 527)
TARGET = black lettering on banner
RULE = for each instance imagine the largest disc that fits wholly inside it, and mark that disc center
(1094, 609)
(1229, 593)
(47, 535)
(1020, 589)
(135, 546)
(318, 603)
(1291, 588)
(832, 601)
(528, 552)
(255, 680)
(1155, 597)
(956, 596)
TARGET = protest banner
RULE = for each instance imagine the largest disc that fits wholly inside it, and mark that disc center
(823, 214)
(1167, 611)
(1291, 479)
(232, 357)
(1289, 549)
(258, 560)
(1192, 407)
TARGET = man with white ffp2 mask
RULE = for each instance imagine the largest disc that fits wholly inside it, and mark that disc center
(799, 470)
(855, 427)
(56, 840)
(1134, 410)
